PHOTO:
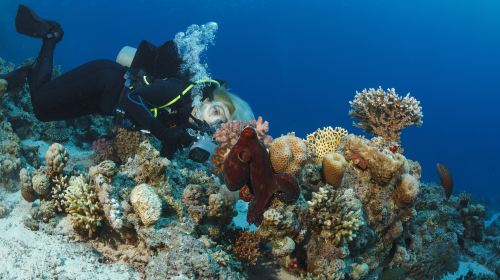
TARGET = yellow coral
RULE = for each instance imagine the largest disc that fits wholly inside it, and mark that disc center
(56, 158)
(146, 203)
(288, 154)
(333, 168)
(82, 206)
(324, 141)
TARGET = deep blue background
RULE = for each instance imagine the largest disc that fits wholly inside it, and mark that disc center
(298, 63)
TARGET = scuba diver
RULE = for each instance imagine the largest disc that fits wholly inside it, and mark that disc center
(144, 89)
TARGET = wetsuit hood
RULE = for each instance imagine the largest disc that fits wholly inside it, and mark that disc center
(159, 62)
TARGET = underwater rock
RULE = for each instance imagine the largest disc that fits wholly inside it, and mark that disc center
(146, 204)
(248, 164)
(288, 154)
(334, 165)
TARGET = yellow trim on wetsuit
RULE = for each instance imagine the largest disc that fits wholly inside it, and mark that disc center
(186, 90)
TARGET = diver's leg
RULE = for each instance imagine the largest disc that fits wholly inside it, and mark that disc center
(91, 88)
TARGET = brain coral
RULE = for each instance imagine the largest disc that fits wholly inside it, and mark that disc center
(288, 154)
(146, 203)
(325, 140)
(83, 206)
(334, 165)
(56, 157)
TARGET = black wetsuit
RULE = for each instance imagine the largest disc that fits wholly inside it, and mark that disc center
(95, 88)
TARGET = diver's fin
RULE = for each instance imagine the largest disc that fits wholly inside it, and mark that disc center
(16, 78)
(30, 24)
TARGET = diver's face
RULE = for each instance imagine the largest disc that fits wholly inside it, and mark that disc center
(214, 112)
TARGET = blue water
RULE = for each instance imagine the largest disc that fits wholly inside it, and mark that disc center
(298, 63)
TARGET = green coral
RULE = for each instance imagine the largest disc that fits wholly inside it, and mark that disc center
(83, 206)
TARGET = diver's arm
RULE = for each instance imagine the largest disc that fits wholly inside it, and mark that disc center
(171, 138)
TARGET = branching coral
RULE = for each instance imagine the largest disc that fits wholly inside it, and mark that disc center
(384, 113)
(246, 247)
(83, 206)
(337, 215)
(324, 141)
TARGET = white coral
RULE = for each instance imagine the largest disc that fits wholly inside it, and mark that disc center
(385, 113)
(146, 203)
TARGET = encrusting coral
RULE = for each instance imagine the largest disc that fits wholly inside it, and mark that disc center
(384, 113)
(324, 141)
(288, 154)
(407, 190)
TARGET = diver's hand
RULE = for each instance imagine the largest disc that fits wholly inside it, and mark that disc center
(175, 139)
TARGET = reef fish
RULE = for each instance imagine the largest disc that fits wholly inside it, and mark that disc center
(248, 163)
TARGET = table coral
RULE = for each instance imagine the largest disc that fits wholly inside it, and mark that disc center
(384, 113)
(248, 164)
(288, 154)
(324, 141)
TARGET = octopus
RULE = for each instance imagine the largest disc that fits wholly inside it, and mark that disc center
(248, 164)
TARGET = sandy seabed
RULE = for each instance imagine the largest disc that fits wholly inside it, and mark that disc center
(27, 254)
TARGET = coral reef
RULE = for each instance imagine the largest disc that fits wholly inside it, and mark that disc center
(384, 113)
(248, 164)
(346, 207)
